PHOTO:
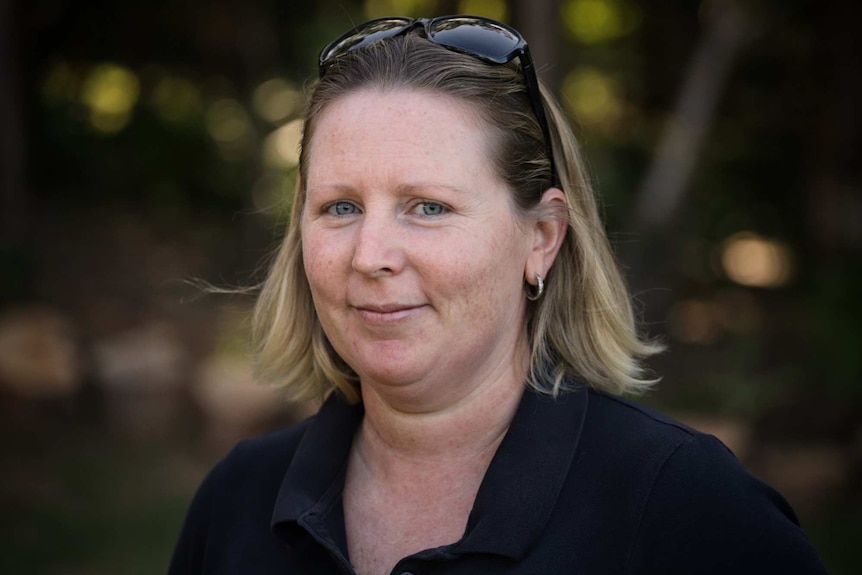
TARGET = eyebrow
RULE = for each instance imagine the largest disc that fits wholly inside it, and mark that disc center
(401, 189)
(339, 187)
(413, 186)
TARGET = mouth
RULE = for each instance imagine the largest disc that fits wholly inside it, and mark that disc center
(386, 313)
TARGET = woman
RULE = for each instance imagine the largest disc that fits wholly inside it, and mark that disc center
(446, 283)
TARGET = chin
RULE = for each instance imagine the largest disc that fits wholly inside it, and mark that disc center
(394, 376)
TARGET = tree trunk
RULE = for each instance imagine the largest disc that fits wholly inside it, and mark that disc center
(665, 184)
(539, 22)
(835, 180)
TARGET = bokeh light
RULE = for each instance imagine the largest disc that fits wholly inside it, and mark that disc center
(594, 21)
(413, 8)
(275, 100)
(594, 98)
(111, 92)
(704, 320)
(229, 124)
(752, 260)
(281, 147)
(496, 9)
(271, 193)
(176, 99)
(227, 121)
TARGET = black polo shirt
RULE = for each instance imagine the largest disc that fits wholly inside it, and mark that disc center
(584, 484)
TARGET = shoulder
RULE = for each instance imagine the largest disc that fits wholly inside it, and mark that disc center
(694, 507)
(676, 468)
(706, 513)
(635, 432)
(668, 453)
(250, 475)
(636, 413)
(257, 460)
(270, 453)
(236, 498)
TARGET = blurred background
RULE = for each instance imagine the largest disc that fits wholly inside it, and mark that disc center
(145, 145)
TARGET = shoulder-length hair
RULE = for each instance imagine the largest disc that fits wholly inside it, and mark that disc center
(582, 329)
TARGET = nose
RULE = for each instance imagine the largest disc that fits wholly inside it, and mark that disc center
(377, 251)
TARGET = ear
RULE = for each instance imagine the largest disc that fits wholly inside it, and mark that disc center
(548, 232)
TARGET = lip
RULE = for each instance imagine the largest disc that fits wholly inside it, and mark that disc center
(386, 313)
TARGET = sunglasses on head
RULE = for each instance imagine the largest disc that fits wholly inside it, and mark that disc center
(488, 40)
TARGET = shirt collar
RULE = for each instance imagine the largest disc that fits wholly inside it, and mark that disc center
(515, 499)
(526, 475)
(318, 466)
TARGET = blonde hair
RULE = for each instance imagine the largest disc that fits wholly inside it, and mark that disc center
(583, 328)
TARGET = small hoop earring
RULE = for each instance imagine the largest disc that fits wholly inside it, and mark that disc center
(540, 289)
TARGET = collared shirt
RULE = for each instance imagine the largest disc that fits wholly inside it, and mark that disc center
(584, 484)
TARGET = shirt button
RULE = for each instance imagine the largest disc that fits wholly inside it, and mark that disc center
(406, 573)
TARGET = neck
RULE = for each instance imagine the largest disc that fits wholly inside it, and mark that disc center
(398, 435)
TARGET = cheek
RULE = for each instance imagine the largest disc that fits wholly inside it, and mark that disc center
(320, 266)
(482, 279)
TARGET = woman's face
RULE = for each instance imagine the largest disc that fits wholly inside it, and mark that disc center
(413, 251)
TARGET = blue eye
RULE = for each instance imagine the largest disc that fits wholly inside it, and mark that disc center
(342, 208)
(431, 209)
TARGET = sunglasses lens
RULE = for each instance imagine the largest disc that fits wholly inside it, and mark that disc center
(488, 40)
(370, 33)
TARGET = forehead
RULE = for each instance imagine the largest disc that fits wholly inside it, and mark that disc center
(397, 130)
